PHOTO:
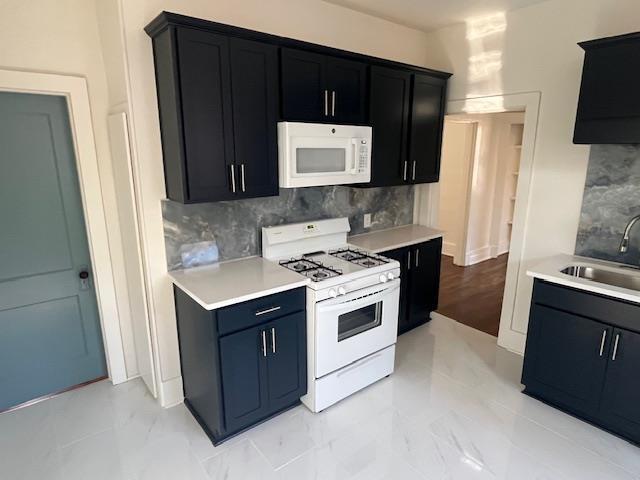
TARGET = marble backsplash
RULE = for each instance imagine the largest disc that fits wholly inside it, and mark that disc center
(236, 226)
(611, 198)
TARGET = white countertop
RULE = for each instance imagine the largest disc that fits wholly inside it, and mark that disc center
(397, 237)
(549, 270)
(235, 281)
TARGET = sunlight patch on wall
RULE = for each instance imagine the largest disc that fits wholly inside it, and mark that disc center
(485, 36)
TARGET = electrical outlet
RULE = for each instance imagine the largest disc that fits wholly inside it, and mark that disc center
(367, 220)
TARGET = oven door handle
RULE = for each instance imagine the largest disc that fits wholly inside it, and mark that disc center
(357, 300)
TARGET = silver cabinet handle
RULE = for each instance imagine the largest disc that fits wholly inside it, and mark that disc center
(604, 338)
(326, 103)
(242, 176)
(273, 339)
(615, 347)
(233, 178)
(264, 343)
(417, 257)
(333, 103)
(404, 174)
(268, 310)
(408, 260)
(413, 171)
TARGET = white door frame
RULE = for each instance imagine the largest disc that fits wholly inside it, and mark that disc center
(74, 89)
(508, 336)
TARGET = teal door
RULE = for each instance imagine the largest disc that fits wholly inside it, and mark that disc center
(50, 338)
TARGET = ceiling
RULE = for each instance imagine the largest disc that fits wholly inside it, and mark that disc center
(430, 15)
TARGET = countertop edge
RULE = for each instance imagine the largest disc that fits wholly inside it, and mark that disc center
(541, 271)
(435, 233)
(242, 298)
(407, 243)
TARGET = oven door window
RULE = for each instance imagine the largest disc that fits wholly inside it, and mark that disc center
(358, 321)
(321, 160)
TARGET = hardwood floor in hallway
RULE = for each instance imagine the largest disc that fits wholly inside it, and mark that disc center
(473, 295)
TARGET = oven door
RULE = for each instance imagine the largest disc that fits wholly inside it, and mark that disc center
(355, 325)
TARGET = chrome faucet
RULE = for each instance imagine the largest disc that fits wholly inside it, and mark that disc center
(624, 245)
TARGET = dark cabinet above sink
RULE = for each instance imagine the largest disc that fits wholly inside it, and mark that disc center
(609, 104)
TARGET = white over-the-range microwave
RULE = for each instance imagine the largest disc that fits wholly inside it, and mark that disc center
(313, 154)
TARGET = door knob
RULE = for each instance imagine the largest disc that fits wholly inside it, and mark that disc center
(83, 274)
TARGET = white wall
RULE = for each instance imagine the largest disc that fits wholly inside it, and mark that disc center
(457, 161)
(534, 49)
(61, 36)
(309, 20)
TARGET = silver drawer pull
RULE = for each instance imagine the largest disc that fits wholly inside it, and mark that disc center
(268, 310)
(233, 178)
(615, 348)
(413, 171)
(404, 172)
(273, 339)
(604, 338)
(333, 103)
(242, 176)
(326, 103)
(264, 343)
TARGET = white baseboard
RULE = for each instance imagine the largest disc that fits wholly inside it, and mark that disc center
(478, 255)
(170, 392)
(449, 249)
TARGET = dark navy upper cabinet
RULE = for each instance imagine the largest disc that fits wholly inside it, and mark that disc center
(407, 114)
(254, 81)
(218, 102)
(389, 115)
(321, 88)
(583, 354)
(426, 126)
(304, 93)
(419, 282)
(244, 363)
(609, 103)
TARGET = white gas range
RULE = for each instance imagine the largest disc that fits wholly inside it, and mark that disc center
(352, 306)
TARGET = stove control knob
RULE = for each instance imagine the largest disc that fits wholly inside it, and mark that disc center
(383, 278)
(390, 276)
(333, 293)
(342, 290)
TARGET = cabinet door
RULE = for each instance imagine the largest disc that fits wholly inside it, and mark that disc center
(424, 280)
(389, 117)
(254, 77)
(347, 85)
(427, 120)
(619, 407)
(287, 360)
(304, 93)
(244, 377)
(205, 91)
(565, 359)
(401, 255)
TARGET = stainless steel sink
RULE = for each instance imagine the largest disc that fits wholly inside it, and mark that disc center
(607, 277)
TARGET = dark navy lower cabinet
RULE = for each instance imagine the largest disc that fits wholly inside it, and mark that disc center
(583, 355)
(244, 363)
(419, 282)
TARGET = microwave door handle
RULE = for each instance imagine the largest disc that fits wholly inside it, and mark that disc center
(341, 304)
(354, 153)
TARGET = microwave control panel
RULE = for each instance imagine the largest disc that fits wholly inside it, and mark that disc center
(363, 156)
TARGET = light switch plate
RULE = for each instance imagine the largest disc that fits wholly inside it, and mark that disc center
(367, 220)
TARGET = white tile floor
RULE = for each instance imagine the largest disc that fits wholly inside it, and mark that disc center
(452, 410)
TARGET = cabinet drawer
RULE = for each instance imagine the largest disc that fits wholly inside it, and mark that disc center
(614, 312)
(261, 310)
